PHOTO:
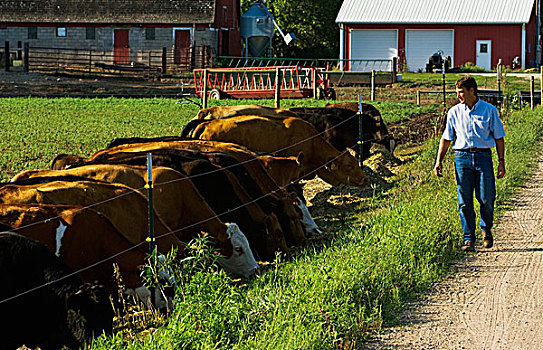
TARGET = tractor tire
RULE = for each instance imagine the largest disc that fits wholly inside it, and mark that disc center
(215, 94)
(331, 94)
(320, 93)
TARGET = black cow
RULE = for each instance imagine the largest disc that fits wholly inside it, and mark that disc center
(42, 303)
(341, 126)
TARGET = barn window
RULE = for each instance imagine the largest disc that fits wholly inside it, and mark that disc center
(61, 31)
(149, 33)
(32, 32)
(90, 33)
(484, 48)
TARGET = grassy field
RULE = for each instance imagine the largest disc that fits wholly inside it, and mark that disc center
(336, 292)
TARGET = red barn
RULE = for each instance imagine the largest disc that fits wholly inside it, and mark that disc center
(477, 31)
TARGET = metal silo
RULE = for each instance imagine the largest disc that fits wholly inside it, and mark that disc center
(257, 31)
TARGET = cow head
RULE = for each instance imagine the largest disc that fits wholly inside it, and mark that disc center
(283, 169)
(389, 142)
(63, 161)
(291, 219)
(89, 312)
(345, 170)
(276, 237)
(242, 261)
(309, 225)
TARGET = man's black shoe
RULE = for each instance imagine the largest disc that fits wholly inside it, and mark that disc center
(468, 246)
(488, 240)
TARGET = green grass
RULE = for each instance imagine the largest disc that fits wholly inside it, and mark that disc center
(334, 294)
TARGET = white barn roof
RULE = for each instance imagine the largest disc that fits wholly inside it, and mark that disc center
(435, 11)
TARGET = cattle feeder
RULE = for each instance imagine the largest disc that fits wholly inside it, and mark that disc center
(261, 82)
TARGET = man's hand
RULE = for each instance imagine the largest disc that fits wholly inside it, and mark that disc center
(501, 169)
(438, 169)
(443, 147)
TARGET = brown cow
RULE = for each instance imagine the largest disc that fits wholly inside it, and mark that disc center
(254, 166)
(221, 112)
(128, 213)
(81, 238)
(285, 137)
(176, 200)
(338, 123)
(124, 207)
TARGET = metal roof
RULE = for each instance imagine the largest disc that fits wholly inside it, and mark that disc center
(435, 11)
(108, 11)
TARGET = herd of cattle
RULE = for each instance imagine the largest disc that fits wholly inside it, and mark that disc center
(233, 173)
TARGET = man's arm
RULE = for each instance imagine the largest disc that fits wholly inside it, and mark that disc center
(443, 147)
(500, 150)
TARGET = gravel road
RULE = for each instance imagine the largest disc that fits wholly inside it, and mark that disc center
(495, 300)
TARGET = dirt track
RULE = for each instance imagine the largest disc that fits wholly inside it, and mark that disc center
(495, 301)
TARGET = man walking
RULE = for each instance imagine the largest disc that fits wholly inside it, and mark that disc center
(475, 127)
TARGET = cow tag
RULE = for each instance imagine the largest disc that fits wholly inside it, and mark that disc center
(333, 167)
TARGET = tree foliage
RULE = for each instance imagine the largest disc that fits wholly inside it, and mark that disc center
(311, 21)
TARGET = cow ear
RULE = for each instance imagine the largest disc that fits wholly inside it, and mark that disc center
(300, 158)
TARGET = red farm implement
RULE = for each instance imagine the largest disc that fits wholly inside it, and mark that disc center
(260, 82)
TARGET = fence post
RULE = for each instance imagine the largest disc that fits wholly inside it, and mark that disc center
(90, 62)
(394, 69)
(277, 88)
(499, 77)
(204, 90)
(163, 61)
(314, 77)
(151, 238)
(532, 102)
(6, 56)
(25, 57)
(360, 133)
(373, 85)
(418, 97)
(541, 83)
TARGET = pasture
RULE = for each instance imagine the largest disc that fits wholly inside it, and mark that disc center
(391, 243)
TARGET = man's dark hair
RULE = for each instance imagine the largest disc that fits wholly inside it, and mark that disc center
(468, 82)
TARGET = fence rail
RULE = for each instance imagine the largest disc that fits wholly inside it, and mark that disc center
(378, 65)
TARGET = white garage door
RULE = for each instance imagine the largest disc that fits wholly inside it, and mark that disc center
(421, 44)
(370, 44)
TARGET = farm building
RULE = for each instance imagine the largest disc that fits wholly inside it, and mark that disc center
(127, 28)
(476, 31)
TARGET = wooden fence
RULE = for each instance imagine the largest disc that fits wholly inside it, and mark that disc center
(149, 63)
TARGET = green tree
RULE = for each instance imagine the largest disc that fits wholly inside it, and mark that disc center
(311, 21)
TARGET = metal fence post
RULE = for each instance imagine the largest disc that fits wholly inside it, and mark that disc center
(360, 133)
(151, 238)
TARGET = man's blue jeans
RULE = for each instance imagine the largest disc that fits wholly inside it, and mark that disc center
(474, 172)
